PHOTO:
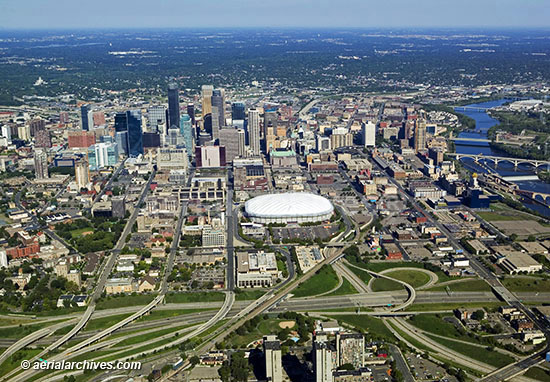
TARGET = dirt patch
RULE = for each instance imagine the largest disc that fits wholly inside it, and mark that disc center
(287, 324)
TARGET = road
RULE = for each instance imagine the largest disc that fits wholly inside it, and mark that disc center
(401, 363)
(107, 186)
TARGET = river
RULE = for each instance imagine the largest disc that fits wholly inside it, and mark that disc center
(483, 123)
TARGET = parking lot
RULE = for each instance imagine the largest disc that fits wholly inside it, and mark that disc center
(305, 233)
(423, 369)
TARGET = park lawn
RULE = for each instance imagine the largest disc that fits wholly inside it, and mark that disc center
(474, 285)
(325, 279)
(184, 297)
(374, 326)
(538, 373)
(254, 294)
(16, 358)
(526, 284)
(78, 232)
(381, 284)
(424, 307)
(414, 278)
(495, 216)
(105, 322)
(269, 326)
(113, 302)
(345, 288)
(489, 357)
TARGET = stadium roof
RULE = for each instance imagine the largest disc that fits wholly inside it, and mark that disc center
(294, 204)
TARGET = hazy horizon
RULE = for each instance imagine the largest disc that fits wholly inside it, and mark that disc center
(310, 14)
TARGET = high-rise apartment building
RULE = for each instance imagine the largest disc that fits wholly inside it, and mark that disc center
(242, 142)
(82, 174)
(341, 137)
(135, 133)
(41, 164)
(350, 349)
(322, 359)
(368, 134)
(273, 359)
(173, 106)
(254, 131)
(43, 139)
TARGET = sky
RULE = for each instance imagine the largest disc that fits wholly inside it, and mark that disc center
(70, 14)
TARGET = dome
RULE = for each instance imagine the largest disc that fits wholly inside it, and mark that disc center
(289, 207)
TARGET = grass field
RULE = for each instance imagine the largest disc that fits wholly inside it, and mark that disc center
(475, 285)
(78, 232)
(160, 314)
(414, 278)
(24, 330)
(363, 275)
(381, 285)
(121, 301)
(451, 306)
(179, 298)
(149, 336)
(526, 284)
(410, 339)
(436, 325)
(105, 322)
(482, 354)
(381, 266)
(345, 288)
(538, 373)
(16, 358)
(270, 326)
(374, 326)
(495, 216)
(253, 294)
(324, 280)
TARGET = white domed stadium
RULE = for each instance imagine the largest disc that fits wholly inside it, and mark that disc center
(292, 207)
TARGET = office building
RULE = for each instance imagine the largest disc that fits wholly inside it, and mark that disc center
(213, 237)
(242, 142)
(230, 139)
(186, 131)
(41, 164)
(273, 359)
(135, 133)
(256, 269)
(323, 143)
(191, 112)
(270, 122)
(206, 96)
(63, 117)
(121, 139)
(420, 135)
(210, 156)
(369, 134)
(81, 139)
(322, 358)
(121, 122)
(254, 131)
(218, 101)
(238, 111)
(84, 120)
(156, 116)
(102, 155)
(82, 174)
(173, 106)
(98, 118)
(341, 137)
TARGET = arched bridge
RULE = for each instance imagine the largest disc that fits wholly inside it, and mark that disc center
(539, 196)
(497, 160)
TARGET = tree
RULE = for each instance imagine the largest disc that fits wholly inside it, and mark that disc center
(478, 315)
(194, 360)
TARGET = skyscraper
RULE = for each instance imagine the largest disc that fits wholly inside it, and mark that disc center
(156, 116)
(84, 122)
(186, 130)
(254, 131)
(242, 142)
(121, 122)
(41, 164)
(230, 139)
(173, 106)
(207, 91)
(270, 122)
(369, 134)
(191, 112)
(273, 359)
(121, 138)
(237, 111)
(135, 133)
(218, 101)
(322, 359)
(420, 135)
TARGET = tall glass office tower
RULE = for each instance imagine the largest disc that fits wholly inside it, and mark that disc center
(186, 130)
(173, 105)
(135, 133)
(237, 111)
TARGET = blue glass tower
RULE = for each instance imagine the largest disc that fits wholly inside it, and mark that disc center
(237, 110)
(135, 133)
(186, 130)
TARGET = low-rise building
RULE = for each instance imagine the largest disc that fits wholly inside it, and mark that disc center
(256, 269)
